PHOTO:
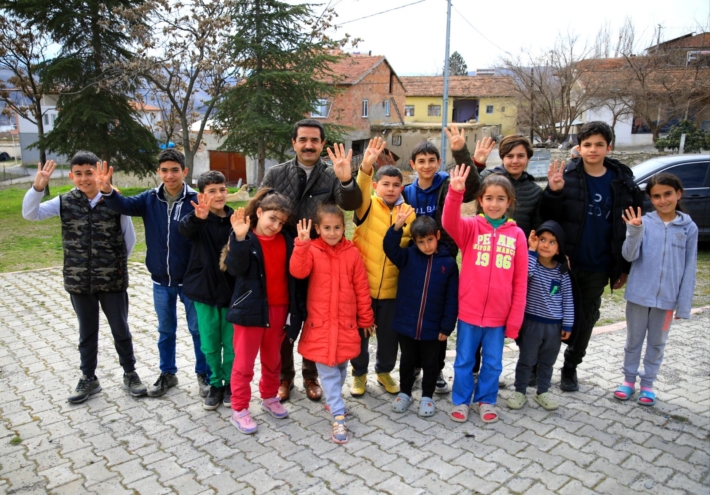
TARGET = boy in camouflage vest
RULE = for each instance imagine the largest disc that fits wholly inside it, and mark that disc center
(97, 243)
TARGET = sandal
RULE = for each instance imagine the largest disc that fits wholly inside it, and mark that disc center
(649, 396)
(459, 413)
(484, 410)
(546, 401)
(516, 401)
(426, 407)
(623, 392)
(401, 403)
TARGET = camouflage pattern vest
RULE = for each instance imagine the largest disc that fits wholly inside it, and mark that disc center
(95, 257)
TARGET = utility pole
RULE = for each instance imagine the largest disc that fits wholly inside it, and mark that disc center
(445, 106)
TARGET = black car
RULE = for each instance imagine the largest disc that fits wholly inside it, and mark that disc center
(694, 173)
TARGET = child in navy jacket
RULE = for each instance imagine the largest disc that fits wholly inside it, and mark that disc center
(426, 304)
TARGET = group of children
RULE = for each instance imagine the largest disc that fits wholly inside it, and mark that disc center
(398, 280)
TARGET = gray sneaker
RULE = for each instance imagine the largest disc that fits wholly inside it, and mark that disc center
(85, 389)
(203, 385)
(133, 383)
(227, 395)
(214, 399)
(442, 387)
(162, 384)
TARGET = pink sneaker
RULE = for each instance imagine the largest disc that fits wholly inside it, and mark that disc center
(243, 421)
(273, 406)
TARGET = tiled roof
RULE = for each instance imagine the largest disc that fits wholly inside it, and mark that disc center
(659, 81)
(701, 40)
(351, 69)
(459, 86)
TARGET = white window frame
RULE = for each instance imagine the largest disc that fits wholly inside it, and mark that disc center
(409, 110)
(490, 109)
(322, 105)
(365, 109)
(431, 112)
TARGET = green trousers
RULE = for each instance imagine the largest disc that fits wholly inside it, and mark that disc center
(216, 342)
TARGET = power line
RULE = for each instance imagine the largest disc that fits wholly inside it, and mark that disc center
(383, 12)
(480, 33)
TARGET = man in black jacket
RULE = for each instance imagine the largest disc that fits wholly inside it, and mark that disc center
(307, 181)
(587, 198)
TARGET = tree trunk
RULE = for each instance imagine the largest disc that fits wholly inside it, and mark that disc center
(261, 161)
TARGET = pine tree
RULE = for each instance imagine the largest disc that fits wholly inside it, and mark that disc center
(95, 111)
(285, 58)
(457, 65)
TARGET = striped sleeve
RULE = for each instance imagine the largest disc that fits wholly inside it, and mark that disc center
(567, 303)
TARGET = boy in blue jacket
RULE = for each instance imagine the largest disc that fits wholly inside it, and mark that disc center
(426, 304)
(168, 254)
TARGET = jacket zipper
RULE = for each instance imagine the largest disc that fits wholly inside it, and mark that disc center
(488, 284)
(427, 278)
(382, 276)
(663, 259)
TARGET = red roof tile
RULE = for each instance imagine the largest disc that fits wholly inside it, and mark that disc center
(460, 86)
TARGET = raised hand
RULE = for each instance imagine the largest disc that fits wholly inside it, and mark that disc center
(532, 241)
(103, 177)
(44, 174)
(240, 224)
(374, 148)
(456, 137)
(458, 177)
(555, 178)
(341, 162)
(483, 150)
(304, 229)
(202, 208)
(631, 218)
(402, 216)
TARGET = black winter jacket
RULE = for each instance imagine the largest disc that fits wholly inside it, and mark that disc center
(248, 306)
(322, 187)
(569, 208)
(204, 282)
(527, 198)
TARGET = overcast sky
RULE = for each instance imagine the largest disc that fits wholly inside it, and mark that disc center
(413, 38)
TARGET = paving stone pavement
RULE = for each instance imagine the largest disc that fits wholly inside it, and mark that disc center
(117, 444)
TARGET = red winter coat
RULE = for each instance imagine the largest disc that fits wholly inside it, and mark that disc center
(338, 300)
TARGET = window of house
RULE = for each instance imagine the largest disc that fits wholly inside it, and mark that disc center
(321, 110)
(365, 108)
(409, 110)
(434, 110)
(387, 108)
(46, 119)
(502, 109)
(397, 140)
(489, 108)
(54, 118)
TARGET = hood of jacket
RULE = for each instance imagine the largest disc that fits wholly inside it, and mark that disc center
(555, 229)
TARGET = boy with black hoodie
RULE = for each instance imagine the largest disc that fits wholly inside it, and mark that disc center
(208, 227)
(549, 314)
(587, 198)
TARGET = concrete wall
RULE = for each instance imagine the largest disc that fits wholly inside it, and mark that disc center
(31, 156)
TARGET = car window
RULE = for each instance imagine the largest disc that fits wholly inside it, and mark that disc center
(690, 174)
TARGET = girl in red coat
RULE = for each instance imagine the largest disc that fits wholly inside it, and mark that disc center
(338, 304)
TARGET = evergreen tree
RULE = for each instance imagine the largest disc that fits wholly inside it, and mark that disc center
(285, 58)
(457, 65)
(95, 111)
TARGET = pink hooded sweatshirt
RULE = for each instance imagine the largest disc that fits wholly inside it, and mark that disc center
(494, 268)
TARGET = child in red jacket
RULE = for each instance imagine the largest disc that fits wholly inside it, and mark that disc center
(492, 289)
(338, 304)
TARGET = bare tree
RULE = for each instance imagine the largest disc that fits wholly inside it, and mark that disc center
(185, 61)
(548, 86)
(22, 51)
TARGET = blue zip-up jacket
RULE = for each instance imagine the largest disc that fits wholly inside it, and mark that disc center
(168, 252)
(427, 289)
(663, 263)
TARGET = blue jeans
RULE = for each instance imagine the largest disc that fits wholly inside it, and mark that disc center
(468, 339)
(165, 301)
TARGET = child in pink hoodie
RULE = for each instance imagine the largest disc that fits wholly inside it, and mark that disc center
(492, 288)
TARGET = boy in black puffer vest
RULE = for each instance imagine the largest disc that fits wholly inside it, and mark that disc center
(97, 243)
(587, 198)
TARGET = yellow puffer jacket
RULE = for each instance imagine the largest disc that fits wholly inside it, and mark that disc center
(373, 218)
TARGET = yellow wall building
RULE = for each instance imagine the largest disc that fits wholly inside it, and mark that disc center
(487, 100)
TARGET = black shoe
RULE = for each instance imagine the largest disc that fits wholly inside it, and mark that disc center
(442, 386)
(227, 395)
(532, 381)
(133, 383)
(203, 385)
(85, 389)
(568, 380)
(162, 384)
(213, 399)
